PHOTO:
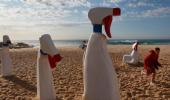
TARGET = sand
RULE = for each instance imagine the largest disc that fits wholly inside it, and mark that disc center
(68, 76)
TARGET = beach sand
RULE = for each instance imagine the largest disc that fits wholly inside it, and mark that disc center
(68, 76)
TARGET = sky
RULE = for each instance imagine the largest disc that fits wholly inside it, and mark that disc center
(67, 19)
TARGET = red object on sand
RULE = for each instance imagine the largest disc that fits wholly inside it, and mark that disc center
(53, 60)
(150, 62)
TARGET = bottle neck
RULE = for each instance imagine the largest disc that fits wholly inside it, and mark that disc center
(43, 53)
(97, 28)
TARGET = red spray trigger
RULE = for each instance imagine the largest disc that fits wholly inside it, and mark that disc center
(107, 21)
(53, 60)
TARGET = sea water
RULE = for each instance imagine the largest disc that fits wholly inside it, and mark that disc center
(63, 43)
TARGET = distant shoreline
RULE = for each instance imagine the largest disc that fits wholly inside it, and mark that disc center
(61, 43)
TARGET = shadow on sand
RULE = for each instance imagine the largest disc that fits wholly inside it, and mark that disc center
(22, 83)
(163, 84)
(139, 64)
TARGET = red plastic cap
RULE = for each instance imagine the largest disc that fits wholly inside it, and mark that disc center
(116, 11)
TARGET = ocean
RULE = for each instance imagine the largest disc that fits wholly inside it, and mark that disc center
(63, 43)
